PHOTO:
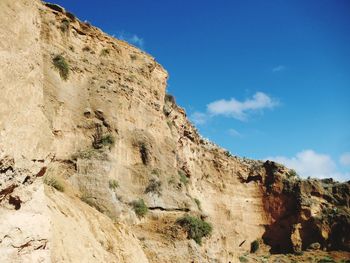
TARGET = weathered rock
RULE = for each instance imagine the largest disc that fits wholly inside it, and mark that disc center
(296, 238)
(47, 129)
(315, 246)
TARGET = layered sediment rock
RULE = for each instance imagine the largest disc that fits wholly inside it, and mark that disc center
(88, 115)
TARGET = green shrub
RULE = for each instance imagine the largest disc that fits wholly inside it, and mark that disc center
(170, 124)
(172, 180)
(198, 204)
(90, 154)
(64, 25)
(169, 98)
(104, 52)
(326, 260)
(183, 177)
(54, 182)
(140, 207)
(254, 246)
(60, 63)
(292, 173)
(196, 228)
(107, 140)
(113, 184)
(156, 172)
(228, 154)
(243, 259)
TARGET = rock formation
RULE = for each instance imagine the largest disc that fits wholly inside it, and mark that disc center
(99, 164)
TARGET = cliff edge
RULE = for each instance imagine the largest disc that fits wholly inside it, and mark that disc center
(99, 164)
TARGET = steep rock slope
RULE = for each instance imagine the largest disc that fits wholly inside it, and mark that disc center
(89, 115)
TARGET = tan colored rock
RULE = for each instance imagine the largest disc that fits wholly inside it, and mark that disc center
(47, 129)
(296, 238)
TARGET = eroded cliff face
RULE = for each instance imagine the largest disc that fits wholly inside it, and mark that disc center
(100, 127)
(305, 212)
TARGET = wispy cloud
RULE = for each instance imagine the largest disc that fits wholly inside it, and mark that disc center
(345, 159)
(132, 39)
(199, 118)
(236, 109)
(234, 133)
(310, 163)
(279, 68)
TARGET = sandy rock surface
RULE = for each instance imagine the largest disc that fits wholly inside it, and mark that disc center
(83, 140)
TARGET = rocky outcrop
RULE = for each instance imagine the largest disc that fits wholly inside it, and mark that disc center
(90, 142)
(304, 212)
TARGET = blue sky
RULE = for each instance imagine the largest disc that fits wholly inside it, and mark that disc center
(264, 79)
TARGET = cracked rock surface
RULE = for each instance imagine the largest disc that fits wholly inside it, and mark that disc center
(78, 151)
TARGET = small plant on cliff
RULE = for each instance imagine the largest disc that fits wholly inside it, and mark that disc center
(326, 260)
(292, 173)
(107, 140)
(140, 207)
(243, 259)
(100, 139)
(113, 184)
(183, 177)
(90, 154)
(154, 186)
(64, 25)
(168, 98)
(196, 228)
(54, 182)
(61, 64)
(228, 154)
(198, 203)
(104, 52)
(133, 57)
(254, 246)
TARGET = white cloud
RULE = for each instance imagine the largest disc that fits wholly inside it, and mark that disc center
(345, 159)
(233, 108)
(279, 68)
(239, 110)
(132, 39)
(310, 163)
(234, 133)
(199, 118)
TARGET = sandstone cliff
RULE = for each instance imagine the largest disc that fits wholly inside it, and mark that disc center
(90, 141)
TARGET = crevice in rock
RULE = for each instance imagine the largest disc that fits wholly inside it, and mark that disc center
(144, 153)
(15, 201)
(27, 180)
(100, 116)
(254, 178)
(42, 172)
(169, 209)
(8, 190)
(38, 160)
(34, 244)
(55, 7)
